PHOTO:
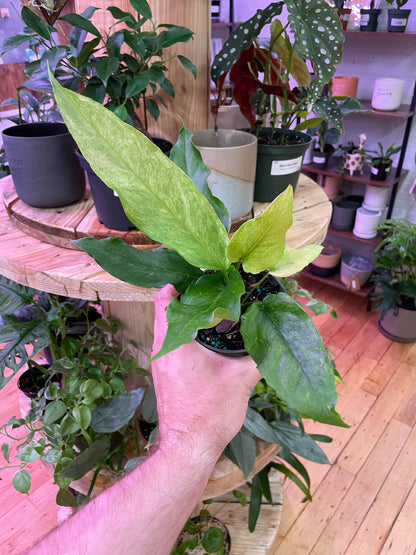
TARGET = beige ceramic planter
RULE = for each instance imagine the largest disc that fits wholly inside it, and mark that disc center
(231, 156)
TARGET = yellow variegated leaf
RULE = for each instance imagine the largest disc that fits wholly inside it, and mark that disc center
(260, 242)
(294, 260)
(298, 68)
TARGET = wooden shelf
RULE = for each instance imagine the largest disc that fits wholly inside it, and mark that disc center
(335, 281)
(402, 113)
(334, 169)
(350, 236)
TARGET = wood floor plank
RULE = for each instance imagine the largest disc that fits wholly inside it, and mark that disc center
(356, 452)
(359, 498)
(388, 503)
(314, 518)
(402, 538)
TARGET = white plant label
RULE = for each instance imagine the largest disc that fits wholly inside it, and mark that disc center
(374, 170)
(319, 159)
(284, 167)
(396, 22)
(365, 19)
(115, 193)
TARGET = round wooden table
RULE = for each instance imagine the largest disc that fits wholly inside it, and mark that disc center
(27, 258)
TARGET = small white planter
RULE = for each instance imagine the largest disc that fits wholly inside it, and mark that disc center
(387, 94)
(231, 156)
(366, 222)
(375, 198)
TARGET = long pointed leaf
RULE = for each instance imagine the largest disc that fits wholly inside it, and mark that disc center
(291, 356)
(157, 196)
(14, 296)
(145, 268)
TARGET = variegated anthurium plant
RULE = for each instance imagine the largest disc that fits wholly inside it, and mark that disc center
(169, 200)
(273, 75)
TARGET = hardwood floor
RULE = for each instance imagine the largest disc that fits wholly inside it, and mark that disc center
(364, 504)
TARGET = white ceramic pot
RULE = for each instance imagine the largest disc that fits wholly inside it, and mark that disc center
(375, 198)
(387, 94)
(366, 222)
(231, 156)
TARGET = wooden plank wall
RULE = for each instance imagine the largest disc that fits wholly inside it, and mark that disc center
(191, 102)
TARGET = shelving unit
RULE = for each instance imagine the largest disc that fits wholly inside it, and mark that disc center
(368, 45)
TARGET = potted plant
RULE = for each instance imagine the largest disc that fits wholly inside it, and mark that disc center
(344, 12)
(369, 17)
(123, 67)
(204, 264)
(380, 161)
(395, 280)
(78, 417)
(397, 17)
(326, 136)
(262, 80)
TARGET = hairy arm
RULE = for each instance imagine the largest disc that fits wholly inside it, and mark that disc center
(202, 400)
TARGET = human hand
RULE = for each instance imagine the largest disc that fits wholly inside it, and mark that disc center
(201, 396)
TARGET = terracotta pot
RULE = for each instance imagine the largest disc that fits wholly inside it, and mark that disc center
(345, 17)
(327, 262)
(343, 85)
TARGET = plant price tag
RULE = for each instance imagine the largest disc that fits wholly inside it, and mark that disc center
(284, 167)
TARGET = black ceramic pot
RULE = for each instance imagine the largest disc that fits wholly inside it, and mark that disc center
(343, 215)
(380, 172)
(45, 169)
(320, 159)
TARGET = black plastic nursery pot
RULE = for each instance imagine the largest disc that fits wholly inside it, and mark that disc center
(397, 20)
(32, 381)
(369, 19)
(225, 338)
(278, 165)
(110, 211)
(380, 172)
(45, 169)
(320, 159)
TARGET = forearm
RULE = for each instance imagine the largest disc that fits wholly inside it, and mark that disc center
(142, 513)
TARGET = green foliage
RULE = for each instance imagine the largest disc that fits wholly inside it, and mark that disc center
(82, 416)
(399, 3)
(395, 266)
(263, 71)
(378, 157)
(123, 67)
(277, 332)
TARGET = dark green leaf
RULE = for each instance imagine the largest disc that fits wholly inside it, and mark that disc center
(82, 416)
(153, 109)
(292, 476)
(65, 499)
(185, 155)
(242, 451)
(95, 92)
(142, 7)
(13, 42)
(116, 413)
(187, 64)
(5, 449)
(80, 22)
(16, 337)
(28, 454)
(241, 497)
(52, 456)
(135, 42)
(127, 17)
(83, 56)
(54, 55)
(22, 481)
(142, 267)
(149, 406)
(213, 539)
(86, 460)
(106, 67)
(174, 35)
(167, 87)
(137, 85)
(287, 456)
(14, 296)
(255, 503)
(208, 299)
(35, 23)
(290, 355)
(54, 411)
(114, 43)
(291, 437)
(259, 427)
